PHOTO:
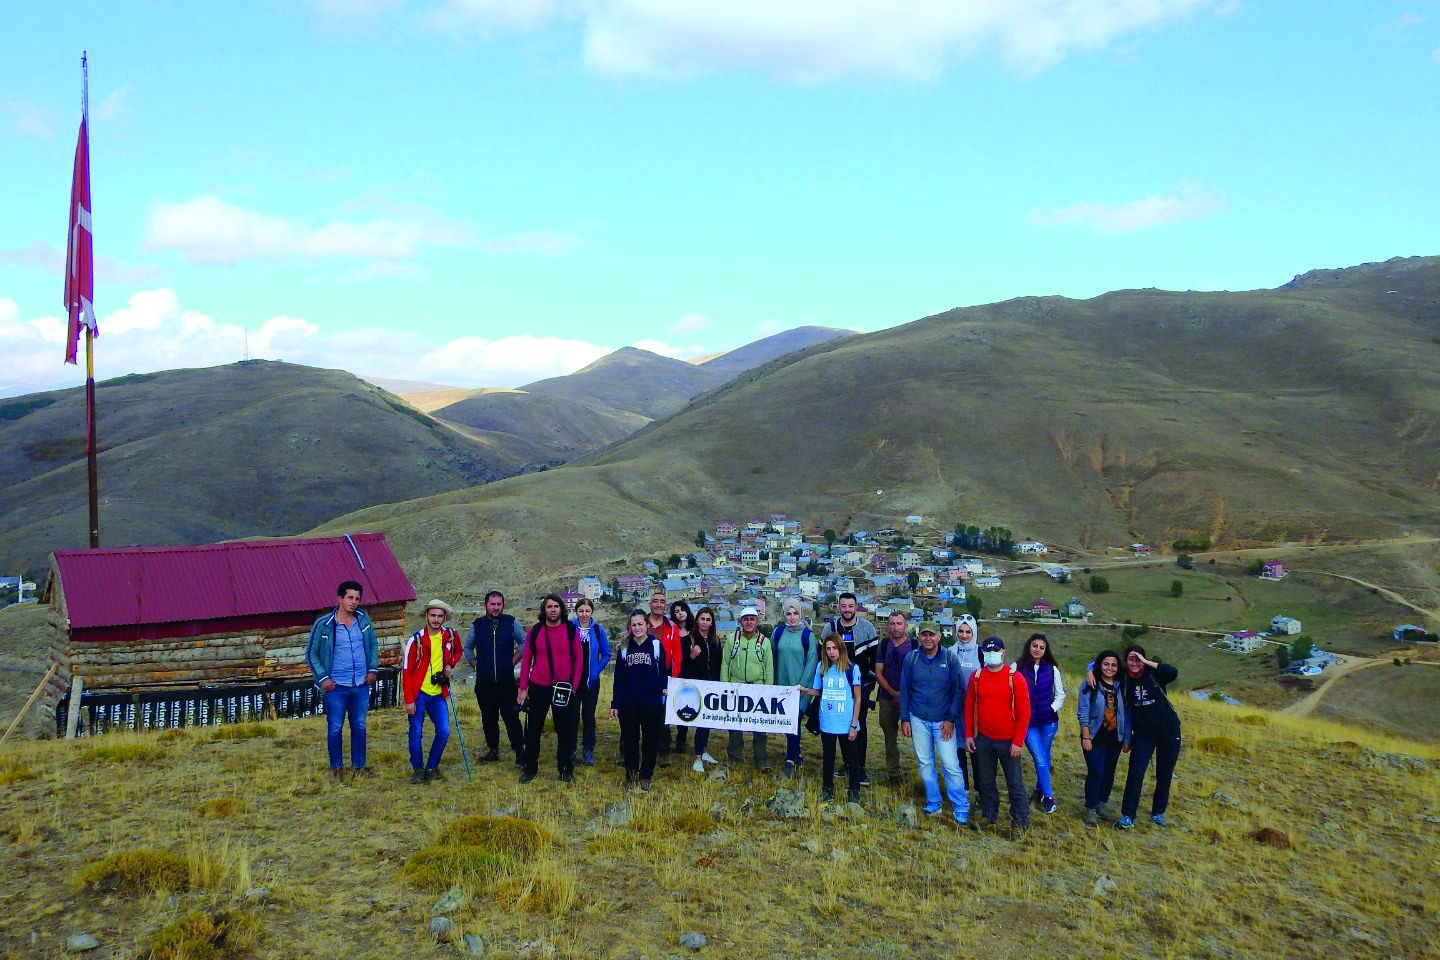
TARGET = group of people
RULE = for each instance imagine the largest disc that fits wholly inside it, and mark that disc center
(970, 715)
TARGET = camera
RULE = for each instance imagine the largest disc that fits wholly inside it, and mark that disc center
(440, 679)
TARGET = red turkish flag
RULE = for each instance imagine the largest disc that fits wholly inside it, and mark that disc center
(80, 258)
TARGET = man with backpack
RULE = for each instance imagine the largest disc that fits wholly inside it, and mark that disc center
(492, 649)
(862, 644)
(997, 717)
(426, 661)
(748, 658)
(889, 663)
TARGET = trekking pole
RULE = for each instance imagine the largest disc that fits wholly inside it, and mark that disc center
(455, 717)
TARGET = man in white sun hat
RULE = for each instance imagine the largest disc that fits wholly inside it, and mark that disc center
(426, 661)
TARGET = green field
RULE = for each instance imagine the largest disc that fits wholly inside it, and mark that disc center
(1387, 698)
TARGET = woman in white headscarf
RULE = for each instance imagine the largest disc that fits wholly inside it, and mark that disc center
(967, 648)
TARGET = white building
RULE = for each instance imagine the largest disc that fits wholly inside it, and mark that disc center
(914, 518)
(590, 588)
(809, 587)
(1284, 625)
(1031, 547)
(909, 558)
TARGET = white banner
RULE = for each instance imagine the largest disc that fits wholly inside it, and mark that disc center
(751, 707)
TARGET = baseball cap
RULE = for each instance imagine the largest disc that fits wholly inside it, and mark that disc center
(749, 612)
(993, 643)
(929, 626)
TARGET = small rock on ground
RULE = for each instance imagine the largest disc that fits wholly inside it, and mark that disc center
(692, 940)
(811, 846)
(619, 814)
(854, 809)
(80, 942)
(504, 811)
(907, 815)
(1104, 886)
(442, 929)
(450, 901)
(718, 775)
(1224, 799)
(1370, 938)
(474, 945)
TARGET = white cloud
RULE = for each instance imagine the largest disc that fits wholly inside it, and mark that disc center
(28, 119)
(690, 323)
(504, 362)
(492, 16)
(113, 106)
(1187, 202)
(670, 350)
(817, 40)
(208, 230)
(49, 259)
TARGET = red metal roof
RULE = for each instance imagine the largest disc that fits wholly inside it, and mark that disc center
(128, 586)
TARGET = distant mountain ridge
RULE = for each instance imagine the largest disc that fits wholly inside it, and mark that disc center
(752, 355)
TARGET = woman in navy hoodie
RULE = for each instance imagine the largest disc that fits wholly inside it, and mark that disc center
(1047, 696)
(1154, 730)
(638, 700)
(700, 660)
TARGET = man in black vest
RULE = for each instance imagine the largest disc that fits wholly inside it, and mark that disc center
(492, 649)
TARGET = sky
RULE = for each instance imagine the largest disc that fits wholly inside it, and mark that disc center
(487, 192)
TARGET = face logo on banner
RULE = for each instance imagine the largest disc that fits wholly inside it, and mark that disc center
(687, 702)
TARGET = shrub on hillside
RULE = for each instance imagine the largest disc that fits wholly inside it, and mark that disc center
(1099, 584)
(1221, 747)
(125, 753)
(221, 935)
(142, 870)
(245, 731)
(1253, 720)
(475, 851)
(1270, 837)
(1177, 588)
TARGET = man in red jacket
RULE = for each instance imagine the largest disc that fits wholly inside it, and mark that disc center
(997, 716)
(662, 628)
(426, 661)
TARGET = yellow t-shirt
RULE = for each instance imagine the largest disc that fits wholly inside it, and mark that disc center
(437, 663)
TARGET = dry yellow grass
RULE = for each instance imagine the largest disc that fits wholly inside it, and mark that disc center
(549, 875)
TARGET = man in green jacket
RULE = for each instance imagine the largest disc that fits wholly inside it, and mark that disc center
(748, 658)
(344, 657)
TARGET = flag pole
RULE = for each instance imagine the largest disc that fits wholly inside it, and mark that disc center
(92, 468)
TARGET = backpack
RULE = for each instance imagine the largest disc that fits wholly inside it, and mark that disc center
(975, 712)
(775, 647)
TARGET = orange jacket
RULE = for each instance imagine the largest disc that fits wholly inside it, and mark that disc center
(415, 659)
(669, 636)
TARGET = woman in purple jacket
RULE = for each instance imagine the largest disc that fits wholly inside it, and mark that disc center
(1047, 696)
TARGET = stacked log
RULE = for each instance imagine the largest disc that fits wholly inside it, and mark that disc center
(262, 654)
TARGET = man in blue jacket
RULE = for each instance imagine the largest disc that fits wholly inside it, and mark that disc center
(344, 657)
(930, 707)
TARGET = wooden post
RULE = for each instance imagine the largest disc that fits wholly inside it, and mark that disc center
(29, 703)
(77, 690)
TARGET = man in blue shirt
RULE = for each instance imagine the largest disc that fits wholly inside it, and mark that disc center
(344, 657)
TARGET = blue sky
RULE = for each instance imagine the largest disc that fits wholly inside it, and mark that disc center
(484, 192)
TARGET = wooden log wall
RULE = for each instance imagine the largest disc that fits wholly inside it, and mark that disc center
(275, 653)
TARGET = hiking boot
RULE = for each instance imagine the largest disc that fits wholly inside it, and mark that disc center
(364, 772)
(1104, 812)
(789, 770)
(827, 795)
(974, 825)
(1124, 823)
(1092, 817)
(698, 766)
(1047, 804)
(567, 776)
(645, 785)
(864, 779)
(434, 775)
(526, 776)
(852, 796)
(931, 809)
(418, 776)
(963, 819)
(589, 758)
(1017, 831)
(337, 774)
(490, 757)
(1159, 820)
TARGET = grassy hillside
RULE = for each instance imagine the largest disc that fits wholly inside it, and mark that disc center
(1304, 413)
(191, 456)
(751, 355)
(242, 833)
(632, 380)
(565, 427)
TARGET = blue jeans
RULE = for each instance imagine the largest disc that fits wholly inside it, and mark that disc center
(434, 706)
(792, 748)
(354, 701)
(1038, 741)
(928, 748)
(1100, 761)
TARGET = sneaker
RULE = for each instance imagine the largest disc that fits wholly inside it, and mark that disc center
(708, 759)
(365, 772)
(519, 763)
(418, 776)
(698, 766)
(827, 795)
(852, 796)
(526, 776)
(589, 758)
(841, 771)
(1092, 817)
(931, 809)
(1124, 823)
(963, 819)
(1159, 820)
(645, 785)
(490, 757)
(789, 770)
(1104, 812)
(568, 776)
(864, 779)
(1047, 804)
